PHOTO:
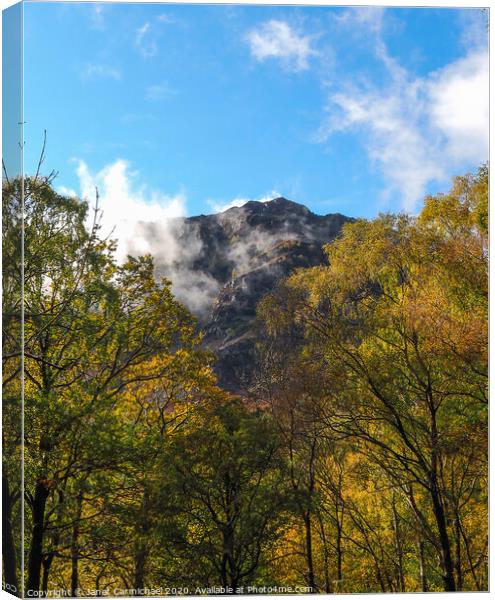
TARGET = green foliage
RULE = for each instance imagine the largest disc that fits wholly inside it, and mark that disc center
(358, 463)
(227, 489)
(396, 329)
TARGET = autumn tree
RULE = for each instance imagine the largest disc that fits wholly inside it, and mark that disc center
(11, 382)
(357, 463)
(231, 498)
(399, 321)
(93, 331)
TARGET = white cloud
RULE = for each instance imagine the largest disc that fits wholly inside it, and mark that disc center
(475, 25)
(218, 207)
(277, 39)
(147, 221)
(159, 91)
(96, 71)
(65, 191)
(125, 205)
(357, 17)
(389, 122)
(148, 34)
(458, 106)
(145, 40)
(365, 25)
(415, 129)
(166, 18)
(97, 17)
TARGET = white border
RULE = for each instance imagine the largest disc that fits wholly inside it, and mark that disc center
(398, 3)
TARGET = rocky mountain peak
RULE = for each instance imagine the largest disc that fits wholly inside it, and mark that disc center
(278, 205)
(230, 260)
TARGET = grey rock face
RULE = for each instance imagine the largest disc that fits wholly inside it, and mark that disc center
(244, 252)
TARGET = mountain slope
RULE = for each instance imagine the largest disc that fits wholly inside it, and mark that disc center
(231, 259)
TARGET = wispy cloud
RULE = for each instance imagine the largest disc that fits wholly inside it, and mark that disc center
(415, 129)
(220, 206)
(148, 34)
(356, 17)
(145, 221)
(159, 91)
(277, 39)
(145, 41)
(388, 124)
(166, 18)
(126, 204)
(474, 25)
(100, 71)
(65, 191)
(97, 16)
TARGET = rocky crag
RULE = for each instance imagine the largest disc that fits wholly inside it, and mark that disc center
(239, 255)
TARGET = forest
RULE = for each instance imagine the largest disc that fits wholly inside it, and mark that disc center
(356, 463)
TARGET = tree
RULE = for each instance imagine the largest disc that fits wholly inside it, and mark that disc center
(230, 494)
(11, 383)
(93, 330)
(289, 388)
(359, 462)
(398, 321)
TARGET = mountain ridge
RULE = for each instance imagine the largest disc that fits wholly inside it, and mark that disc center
(232, 259)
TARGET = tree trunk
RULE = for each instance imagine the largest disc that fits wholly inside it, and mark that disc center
(309, 551)
(338, 545)
(74, 577)
(446, 554)
(8, 545)
(41, 493)
(423, 580)
(398, 549)
(379, 575)
(458, 560)
(328, 586)
(307, 519)
(229, 571)
(472, 567)
(48, 558)
(438, 508)
(47, 565)
(223, 571)
(139, 565)
(141, 547)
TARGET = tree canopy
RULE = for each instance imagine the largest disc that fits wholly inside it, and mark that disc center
(358, 462)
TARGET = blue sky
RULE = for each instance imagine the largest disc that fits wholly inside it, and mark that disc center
(12, 88)
(177, 109)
